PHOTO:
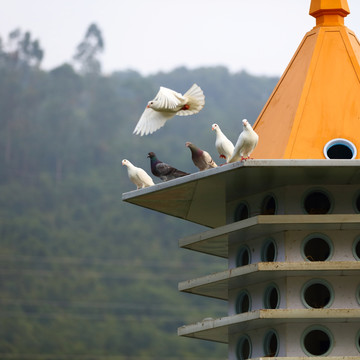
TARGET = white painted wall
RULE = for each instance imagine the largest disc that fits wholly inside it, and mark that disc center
(345, 288)
(290, 344)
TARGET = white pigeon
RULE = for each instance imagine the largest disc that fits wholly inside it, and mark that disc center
(245, 144)
(166, 104)
(223, 145)
(137, 175)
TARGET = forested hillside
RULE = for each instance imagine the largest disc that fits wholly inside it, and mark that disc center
(83, 274)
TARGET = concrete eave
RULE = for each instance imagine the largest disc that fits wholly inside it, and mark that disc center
(216, 241)
(200, 197)
(219, 329)
(218, 285)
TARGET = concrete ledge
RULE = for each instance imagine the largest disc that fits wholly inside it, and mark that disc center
(188, 197)
(219, 329)
(215, 241)
(217, 285)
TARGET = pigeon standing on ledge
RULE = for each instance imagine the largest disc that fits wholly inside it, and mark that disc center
(223, 145)
(245, 144)
(137, 175)
(166, 104)
(200, 158)
(162, 170)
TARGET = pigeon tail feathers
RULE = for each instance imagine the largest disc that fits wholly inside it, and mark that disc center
(195, 99)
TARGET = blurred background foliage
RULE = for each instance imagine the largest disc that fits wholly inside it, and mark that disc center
(83, 274)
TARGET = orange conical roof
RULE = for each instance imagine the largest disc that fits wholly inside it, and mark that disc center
(317, 98)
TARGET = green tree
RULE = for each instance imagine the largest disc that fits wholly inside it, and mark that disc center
(82, 272)
(88, 50)
(23, 50)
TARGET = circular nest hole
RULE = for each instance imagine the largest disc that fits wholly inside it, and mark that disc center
(340, 149)
(268, 206)
(317, 295)
(317, 342)
(271, 344)
(244, 257)
(317, 248)
(317, 202)
(241, 212)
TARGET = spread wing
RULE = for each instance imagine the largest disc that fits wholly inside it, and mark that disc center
(151, 121)
(169, 99)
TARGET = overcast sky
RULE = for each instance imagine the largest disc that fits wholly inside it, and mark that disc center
(259, 36)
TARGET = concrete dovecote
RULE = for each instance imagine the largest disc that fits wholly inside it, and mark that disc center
(292, 284)
(288, 222)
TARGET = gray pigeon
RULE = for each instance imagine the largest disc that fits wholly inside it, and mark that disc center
(162, 170)
(200, 158)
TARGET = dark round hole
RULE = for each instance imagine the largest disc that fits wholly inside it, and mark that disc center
(317, 202)
(317, 296)
(268, 206)
(357, 203)
(243, 257)
(244, 349)
(317, 342)
(317, 249)
(339, 151)
(269, 251)
(243, 303)
(357, 249)
(271, 345)
(241, 212)
(271, 298)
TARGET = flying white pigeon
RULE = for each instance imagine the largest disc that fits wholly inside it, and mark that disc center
(200, 158)
(137, 175)
(166, 105)
(245, 144)
(223, 145)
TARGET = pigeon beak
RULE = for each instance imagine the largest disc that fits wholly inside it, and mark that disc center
(147, 106)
